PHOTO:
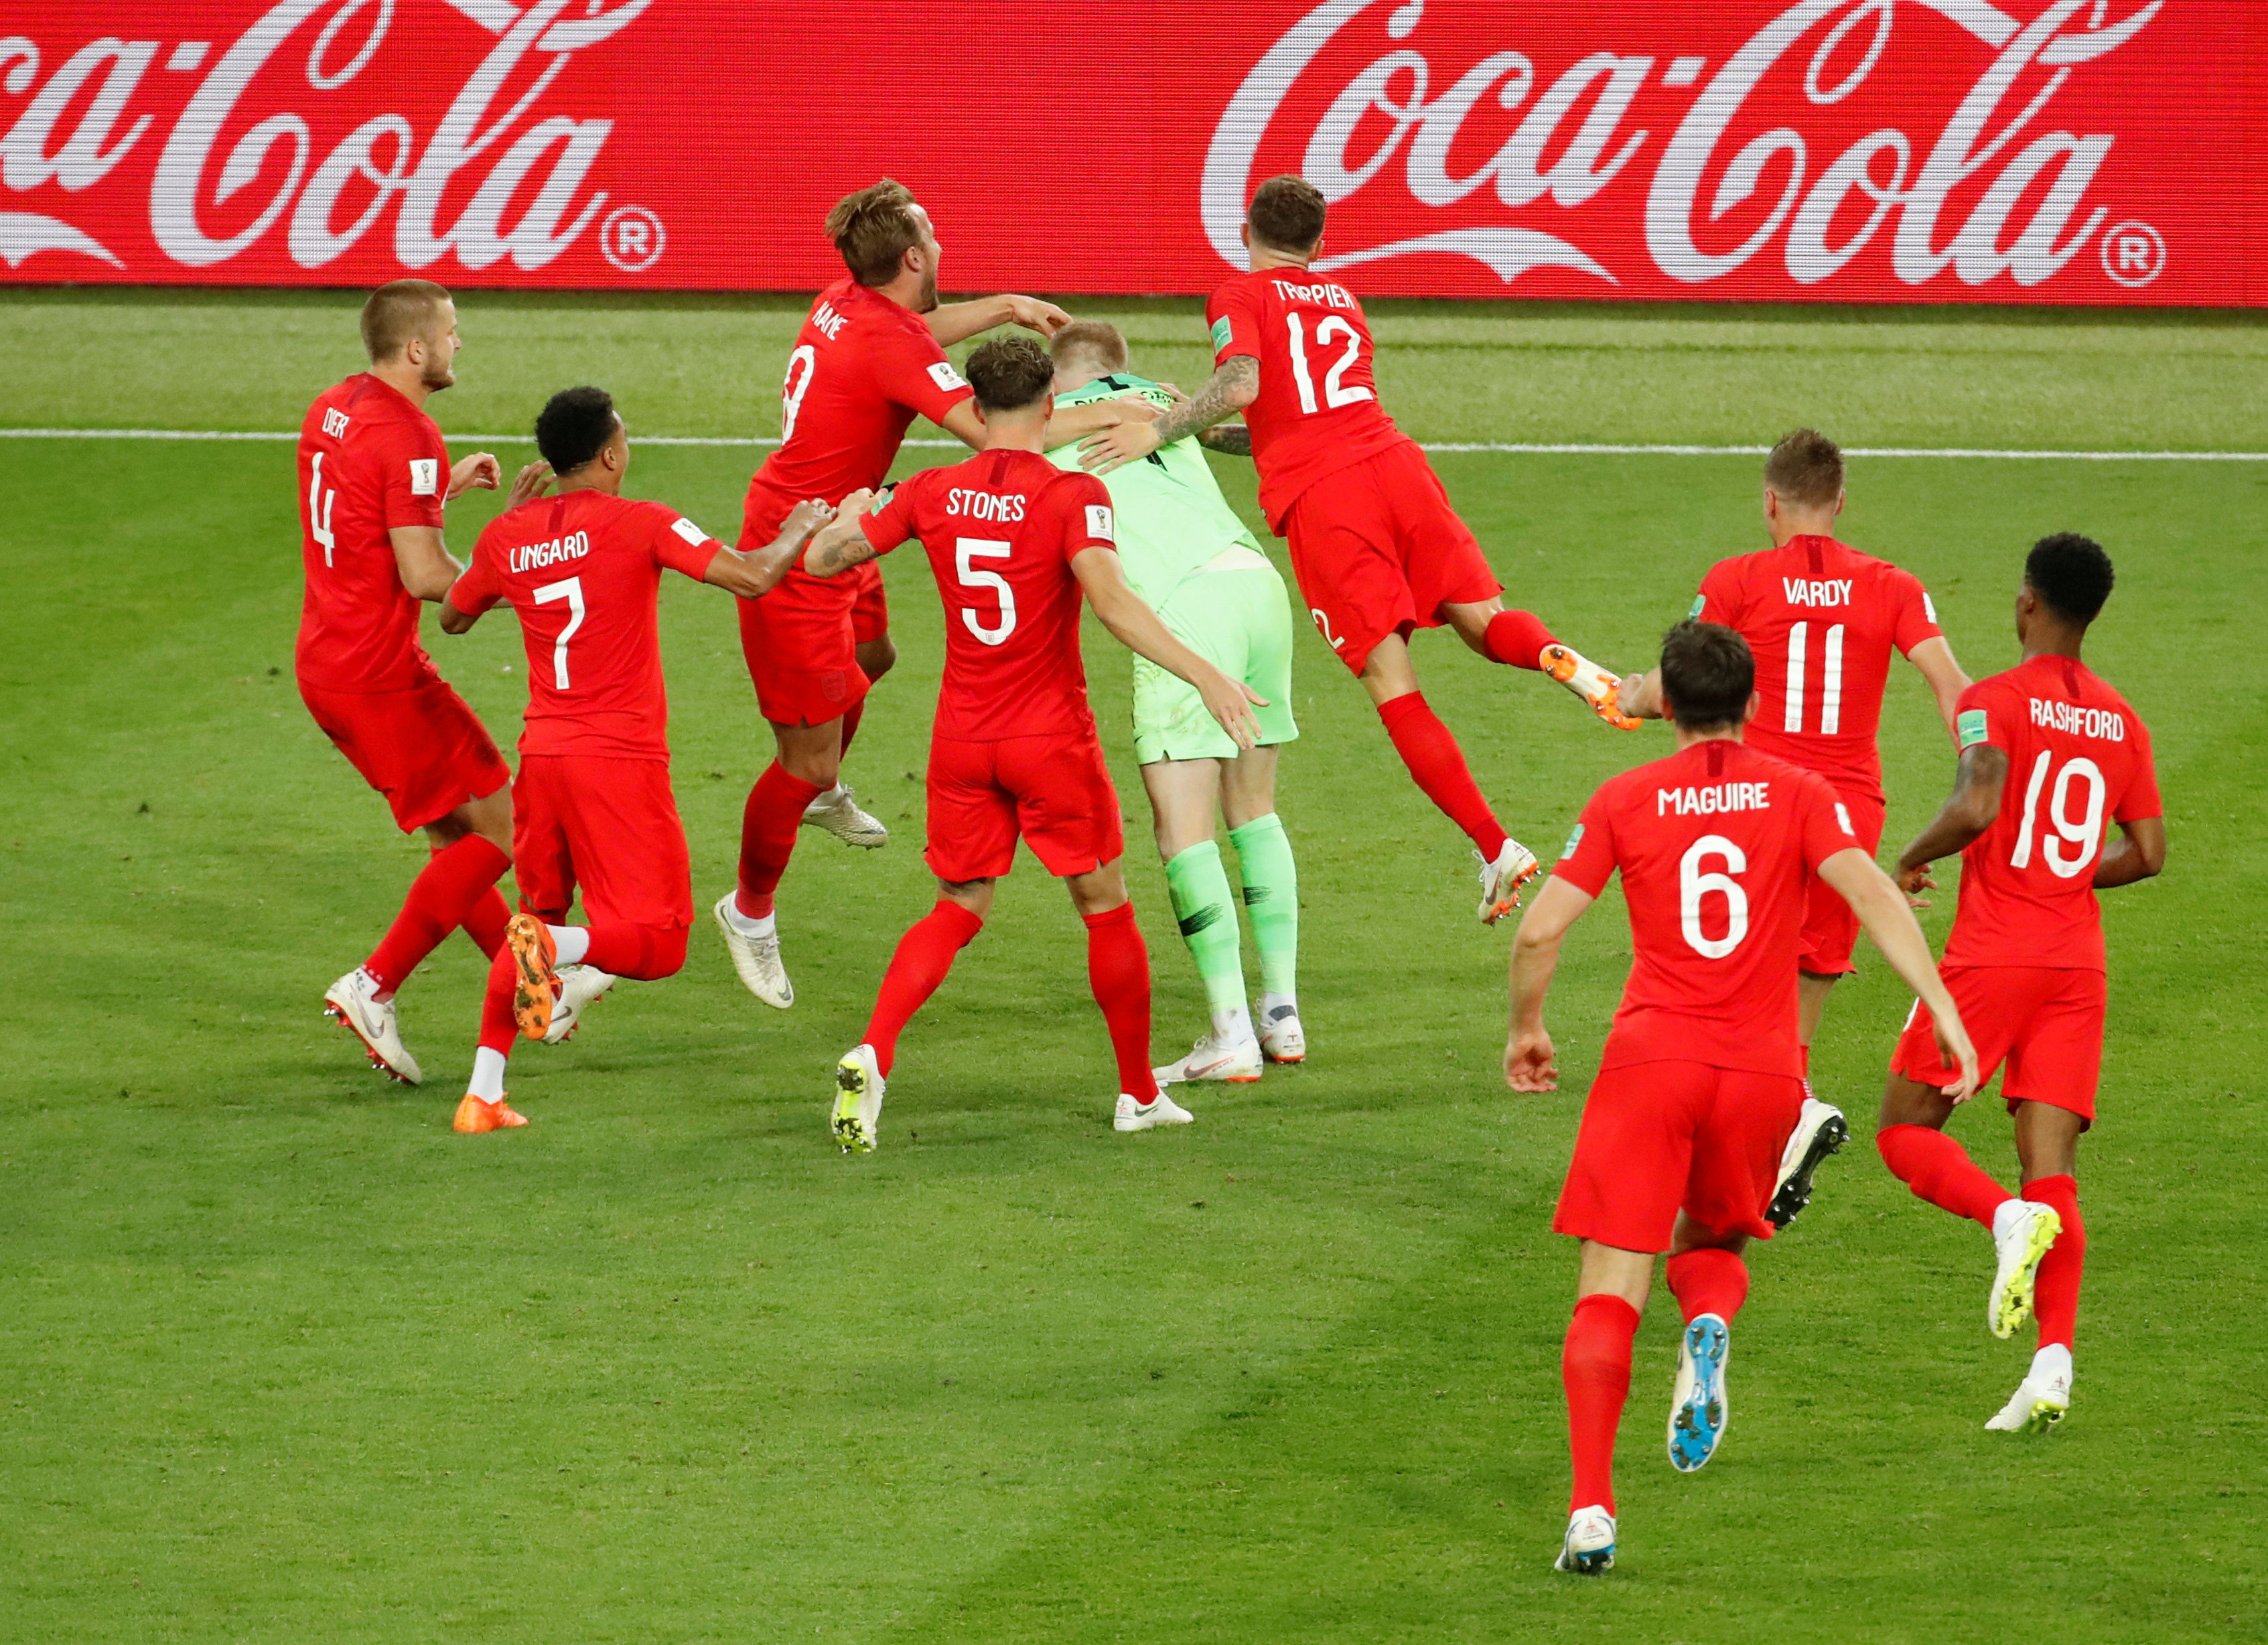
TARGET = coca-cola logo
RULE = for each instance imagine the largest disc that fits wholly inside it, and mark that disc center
(493, 181)
(1763, 156)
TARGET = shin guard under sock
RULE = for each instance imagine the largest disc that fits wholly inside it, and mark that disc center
(1708, 1281)
(1118, 970)
(1271, 900)
(924, 956)
(2055, 1291)
(1437, 767)
(769, 823)
(1594, 1367)
(1517, 638)
(1940, 1170)
(449, 889)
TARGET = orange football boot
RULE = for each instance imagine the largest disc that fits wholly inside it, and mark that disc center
(1594, 685)
(535, 989)
(475, 1116)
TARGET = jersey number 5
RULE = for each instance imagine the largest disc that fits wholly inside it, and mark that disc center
(966, 551)
(1336, 393)
(572, 592)
(2083, 832)
(1693, 885)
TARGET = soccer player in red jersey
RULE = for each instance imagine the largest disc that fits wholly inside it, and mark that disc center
(1697, 1089)
(870, 357)
(2050, 756)
(1377, 548)
(1822, 621)
(1014, 542)
(592, 807)
(373, 477)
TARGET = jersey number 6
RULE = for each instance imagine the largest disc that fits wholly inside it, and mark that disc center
(966, 550)
(1693, 885)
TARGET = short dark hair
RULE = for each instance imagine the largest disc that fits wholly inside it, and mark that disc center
(1009, 373)
(2072, 574)
(1707, 675)
(874, 227)
(1806, 468)
(396, 312)
(1094, 339)
(1287, 213)
(574, 426)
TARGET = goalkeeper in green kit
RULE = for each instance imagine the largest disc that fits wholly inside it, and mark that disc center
(1198, 565)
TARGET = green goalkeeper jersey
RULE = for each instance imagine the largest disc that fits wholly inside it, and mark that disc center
(1171, 516)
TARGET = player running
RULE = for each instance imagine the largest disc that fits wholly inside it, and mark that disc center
(582, 571)
(1377, 548)
(1696, 1092)
(1013, 542)
(1822, 621)
(870, 357)
(2025, 960)
(1195, 563)
(373, 478)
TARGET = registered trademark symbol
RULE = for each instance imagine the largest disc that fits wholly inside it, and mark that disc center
(2133, 253)
(631, 239)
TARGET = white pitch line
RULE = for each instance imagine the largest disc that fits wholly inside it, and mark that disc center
(1509, 448)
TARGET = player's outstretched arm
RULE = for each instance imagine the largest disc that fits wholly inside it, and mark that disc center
(956, 322)
(1077, 422)
(754, 574)
(1934, 657)
(1530, 1063)
(454, 620)
(2138, 853)
(1966, 813)
(427, 567)
(1136, 627)
(842, 542)
(1233, 385)
(1230, 440)
(1891, 925)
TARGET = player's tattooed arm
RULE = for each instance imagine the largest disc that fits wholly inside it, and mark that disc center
(756, 574)
(1530, 1061)
(1970, 810)
(1231, 439)
(2138, 853)
(1231, 388)
(840, 545)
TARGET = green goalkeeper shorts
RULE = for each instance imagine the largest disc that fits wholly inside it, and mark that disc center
(1236, 616)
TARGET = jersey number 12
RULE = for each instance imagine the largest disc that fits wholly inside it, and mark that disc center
(1336, 393)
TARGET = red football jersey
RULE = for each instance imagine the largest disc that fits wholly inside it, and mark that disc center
(1318, 409)
(584, 573)
(2079, 760)
(1821, 620)
(1716, 845)
(369, 460)
(1002, 530)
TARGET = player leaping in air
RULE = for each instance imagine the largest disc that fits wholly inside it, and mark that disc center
(870, 357)
(1696, 1092)
(1377, 548)
(2051, 755)
(1193, 562)
(1822, 621)
(1014, 542)
(593, 808)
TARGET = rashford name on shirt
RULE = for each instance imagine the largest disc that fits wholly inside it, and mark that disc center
(2057, 715)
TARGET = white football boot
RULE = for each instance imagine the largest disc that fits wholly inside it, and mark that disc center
(1503, 881)
(1133, 1116)
(1588, 1548)
(839, 814)
(2022, 1231)
(1601, 688)
(1700, 1408)
(1281, 1037)
(2041, 1399)
(1820, 1129)
(856, 1120)
(756, 959)
(353, 1000)
(1236, 1061)
(578, 987)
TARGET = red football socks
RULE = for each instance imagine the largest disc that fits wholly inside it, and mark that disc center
(485, 924)
(452, 889)
(645, 952)
(769, 823)
(1940, 1170)
(1118, 969)
(1439, 768)
(1518, 637)
(1594, 1365)
(2055, 1292)
(1708, 1281)
(924, 955)
(498, 1028)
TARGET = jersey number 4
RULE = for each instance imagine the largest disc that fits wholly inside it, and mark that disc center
(1336, 393)
(318, 511)
(572, 592)
(2083, 833)
(966, 552)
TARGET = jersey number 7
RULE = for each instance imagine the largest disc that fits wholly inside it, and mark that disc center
(572, 592)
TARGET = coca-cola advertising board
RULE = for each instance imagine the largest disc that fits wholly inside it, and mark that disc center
(2082, 151)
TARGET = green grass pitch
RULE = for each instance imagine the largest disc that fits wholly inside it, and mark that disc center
(281, 1357)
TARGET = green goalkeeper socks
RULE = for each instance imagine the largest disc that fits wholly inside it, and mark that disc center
(1272, 897)
(1202, 903)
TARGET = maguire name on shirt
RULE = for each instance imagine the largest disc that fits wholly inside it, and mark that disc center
(1707, 799)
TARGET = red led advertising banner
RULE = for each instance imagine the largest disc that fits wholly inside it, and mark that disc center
(2083, 151)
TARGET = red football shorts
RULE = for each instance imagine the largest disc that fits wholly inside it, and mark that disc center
(1054, 791)
(1662, 1137)
(609, 826)
(1831, 930)
(2044, 1021)
(801, 641)
(424, 748)
(1378, 550)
